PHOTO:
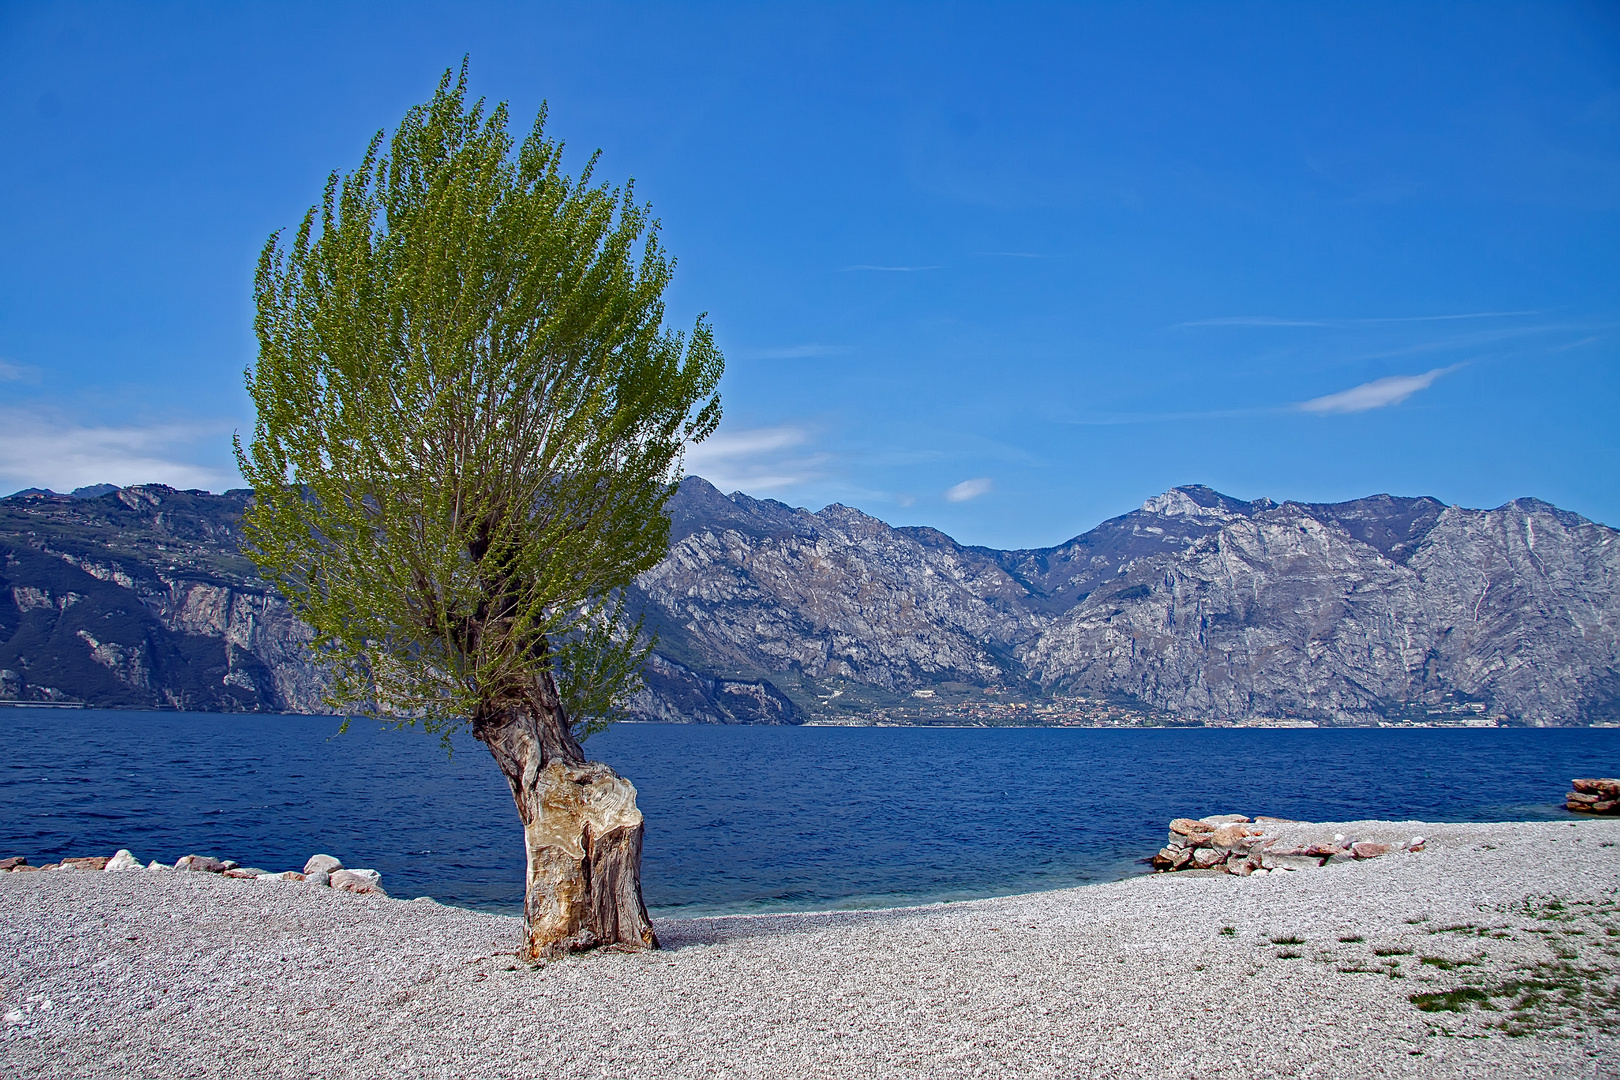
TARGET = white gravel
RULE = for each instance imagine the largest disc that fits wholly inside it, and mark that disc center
(187, 974)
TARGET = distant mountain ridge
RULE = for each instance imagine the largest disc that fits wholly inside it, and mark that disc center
(1197, 606)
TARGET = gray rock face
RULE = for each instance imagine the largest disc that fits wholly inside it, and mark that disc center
(1197, 605)
(141, 598)
(1285, 610)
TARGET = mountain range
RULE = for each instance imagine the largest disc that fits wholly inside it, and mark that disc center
(1195, 608)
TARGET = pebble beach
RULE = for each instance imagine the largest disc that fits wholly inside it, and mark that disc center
(1493, 951)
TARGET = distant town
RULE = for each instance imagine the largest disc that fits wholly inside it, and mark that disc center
(1005, 707)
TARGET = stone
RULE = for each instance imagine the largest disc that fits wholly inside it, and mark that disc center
(1189, 827)
(1582, 797)
(1207, 858)
(285, 875)
(21, 867)
(122, 861)
(245, 872)
(1271, 861)
(155, 865)
(1240, 867)
(1416, 844)
(229, 864)
(320, 877)
(1607, 788)
(1226, 819)
(90, 862)
(1368, 850)
(13, 862)
(1274, 820)
(1605, 807)
(203, 863)
(1228, 836)
(49, 866)
(358, 881)
(322, 864)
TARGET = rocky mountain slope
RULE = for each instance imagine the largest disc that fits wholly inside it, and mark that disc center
(1197, 606)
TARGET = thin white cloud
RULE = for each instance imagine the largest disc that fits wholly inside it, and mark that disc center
(968, 489)
(1378, 394)
(1254, 320)
(788, 352)
(1272, 320)
(755, 459)
(10, 372)
(889, 269)
(42, 449)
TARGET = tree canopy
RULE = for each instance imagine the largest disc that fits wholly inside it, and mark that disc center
(470, 417)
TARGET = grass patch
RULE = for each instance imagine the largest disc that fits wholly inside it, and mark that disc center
(1452, 1000)
(1446, 965)
(1228, 931)
(1289, 954)
(1392, 950)
(1289, 940)
(1350, 939)
(1567, 992)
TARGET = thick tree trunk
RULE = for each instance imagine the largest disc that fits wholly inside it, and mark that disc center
(580, 826)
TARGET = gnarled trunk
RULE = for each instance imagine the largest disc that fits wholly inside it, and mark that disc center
(580, 826)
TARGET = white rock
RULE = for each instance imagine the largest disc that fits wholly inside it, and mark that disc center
(322, 864)
(1225, 819)
(155, 865)
(122, 861)
(320, 877)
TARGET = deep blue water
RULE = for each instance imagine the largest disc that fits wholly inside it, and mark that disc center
(745, 818)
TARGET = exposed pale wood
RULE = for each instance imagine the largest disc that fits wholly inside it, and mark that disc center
(581, 830)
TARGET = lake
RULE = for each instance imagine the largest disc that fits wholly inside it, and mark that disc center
(746, 819)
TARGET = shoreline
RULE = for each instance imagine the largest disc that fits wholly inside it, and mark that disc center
(1186, 974)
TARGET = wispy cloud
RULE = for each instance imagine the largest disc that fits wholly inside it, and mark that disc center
(1253, 320)
(788, 352)
(889, 269)
(1273, 320)
(756, 459)
(968, 489)
(1378, 394)
(1116, 419)
(41, 449)
(10, 372)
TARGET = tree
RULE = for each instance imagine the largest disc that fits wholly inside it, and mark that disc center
(470, 417)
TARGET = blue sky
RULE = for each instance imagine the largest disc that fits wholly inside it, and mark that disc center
(1004, 270)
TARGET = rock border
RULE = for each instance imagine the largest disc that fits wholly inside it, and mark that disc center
(320, 869)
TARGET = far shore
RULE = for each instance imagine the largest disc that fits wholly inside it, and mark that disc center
(1491, 952)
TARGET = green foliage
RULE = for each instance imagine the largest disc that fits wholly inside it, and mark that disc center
(470, 417)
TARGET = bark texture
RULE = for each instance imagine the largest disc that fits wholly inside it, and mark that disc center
(581, 829)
